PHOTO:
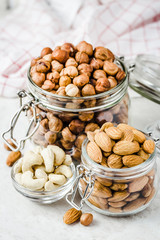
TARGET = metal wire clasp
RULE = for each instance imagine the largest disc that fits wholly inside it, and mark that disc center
(88, 177)
(34, 120)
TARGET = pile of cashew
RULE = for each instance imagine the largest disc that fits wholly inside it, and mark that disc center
(43, 169)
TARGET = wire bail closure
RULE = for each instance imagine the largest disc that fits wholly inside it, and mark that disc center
(82, 172)
(34, 120)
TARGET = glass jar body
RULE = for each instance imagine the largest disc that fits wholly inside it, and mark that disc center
(121, 192)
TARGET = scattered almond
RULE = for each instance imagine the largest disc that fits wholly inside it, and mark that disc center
(11, 143)
(13, 157)
(71, 216)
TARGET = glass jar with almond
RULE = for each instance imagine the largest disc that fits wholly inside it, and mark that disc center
(123, 163)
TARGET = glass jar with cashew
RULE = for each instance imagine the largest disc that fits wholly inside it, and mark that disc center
(125, 183)
(44, 175)
(65, 119)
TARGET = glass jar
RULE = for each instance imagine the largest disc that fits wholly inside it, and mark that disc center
(118, 192)
(44, 197)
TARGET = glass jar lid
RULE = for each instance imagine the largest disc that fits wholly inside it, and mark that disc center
(145, 76)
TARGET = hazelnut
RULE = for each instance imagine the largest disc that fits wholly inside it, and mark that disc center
(56, 66)
(55, 124)
(85, 47)
(85, 68)
(70, 71)
(46, 51)
(76, 154)
(43, 127)
(64, 81)
(103, 54)
(81, 57)
(60, 55)
(66, 117)
(110, 68)
(68, 47)
(91, 127)
(96, 63)
(71, 62)
(120, 75)
(67, 145)
(50, 137)
(102, 117)
(48, 85)
(81, 80)
(90, 103)
(38, 78)
(83, 116)
(71, 90)
(53, 76)
(76, 126)
(33, 70)
(67, 135)
(11, 143)
(72, 105)
(42, 66)
(56, 87)
(102, 85)
(112, 81)
(93, 82)
(61, 91)
(99, 74)
(86, 219)
(88, 90)
(34, 61)
(79, 140)
(48, 57)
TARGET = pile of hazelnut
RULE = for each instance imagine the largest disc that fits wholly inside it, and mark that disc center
(76, 71)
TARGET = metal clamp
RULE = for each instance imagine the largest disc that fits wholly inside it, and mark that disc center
(35, 119)
(85, 173)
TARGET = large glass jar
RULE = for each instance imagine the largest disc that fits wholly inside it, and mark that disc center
(65, 120)
(119, 192)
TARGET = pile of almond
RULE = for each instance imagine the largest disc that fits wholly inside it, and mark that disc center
(120, 147)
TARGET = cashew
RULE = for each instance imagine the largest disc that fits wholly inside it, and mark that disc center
(18, 166)
(57, 178)
(30, 159)
(58, 153)
(40, 167)
(67, 160)
(38, 149)
(65, 170)
(48, 157)
(39, 173)
(49, 186)
(18, 178)
(29, 182)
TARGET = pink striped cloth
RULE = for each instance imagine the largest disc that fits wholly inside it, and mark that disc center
(127, 27)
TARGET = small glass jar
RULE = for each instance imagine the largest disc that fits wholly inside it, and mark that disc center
(44, 197)
(119, 192)
(65, 120)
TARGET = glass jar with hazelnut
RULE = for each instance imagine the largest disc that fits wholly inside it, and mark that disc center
(75, 90)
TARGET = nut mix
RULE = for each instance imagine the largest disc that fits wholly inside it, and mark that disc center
(120, 147)
(43, 169)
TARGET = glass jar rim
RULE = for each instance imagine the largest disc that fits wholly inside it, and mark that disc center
(44, 92)
(57, 190)
(118, 172)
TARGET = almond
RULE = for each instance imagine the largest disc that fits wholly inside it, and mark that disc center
(90, 136)
(143, 154)
(115, 210)
(13, 157)
(134, 204)
(117, 204)
(128, 135)
(114, 161)
(104, 162)
(106, 125)
(94, 152)
(101, 191)
(138, 184)
(95, 201)
(114, 133)
(132, 197)
(150, 196)
(106, 182)
(125, 147)
(123, 127)
(138, 136)
(132, 160)
(106, 154)
(11, 143)
(119, 196)
(119, 186)
(151, 173)
(71, 216)
(103, 141)
(148, 146)
(86, 219)
(147, 190)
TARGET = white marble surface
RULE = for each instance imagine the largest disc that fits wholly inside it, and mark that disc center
(21, 219)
